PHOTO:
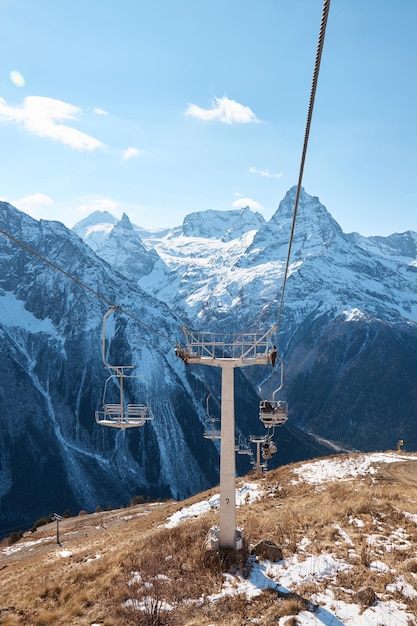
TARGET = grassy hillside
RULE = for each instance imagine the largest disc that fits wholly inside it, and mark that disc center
(341, 531)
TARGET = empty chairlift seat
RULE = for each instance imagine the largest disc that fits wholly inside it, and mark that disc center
(212, 429)
(212, 425)
(114, 415)
(137, 414)
(119, 386)
(242, 447)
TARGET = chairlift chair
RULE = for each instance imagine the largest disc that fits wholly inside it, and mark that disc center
(119, 414)
(242, 446)
(212, 425)
(116, 410)
(274, 412)
(212, 429)
(266, 453)
(269, 448)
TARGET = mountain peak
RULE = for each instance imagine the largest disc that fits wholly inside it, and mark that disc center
(310, 212)
(97, 217)
(125, 223)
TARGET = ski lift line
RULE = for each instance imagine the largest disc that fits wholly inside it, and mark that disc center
(112, 305)
(320, 44)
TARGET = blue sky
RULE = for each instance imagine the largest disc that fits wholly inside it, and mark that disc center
(162, 108)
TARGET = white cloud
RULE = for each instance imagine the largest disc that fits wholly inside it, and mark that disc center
(41, 206)
(263, 173)
(42, 116)
(33, 204)
(224, 110)
(17, 78)
(244, 202)
(130, 152)
(89, 204)
(99, 111)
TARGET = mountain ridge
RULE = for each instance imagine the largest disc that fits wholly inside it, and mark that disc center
(53, 454)
(338, 284)
(347, 340)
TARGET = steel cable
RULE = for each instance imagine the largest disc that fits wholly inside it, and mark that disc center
(323, 24)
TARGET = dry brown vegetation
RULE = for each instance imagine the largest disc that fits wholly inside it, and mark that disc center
(124, 559)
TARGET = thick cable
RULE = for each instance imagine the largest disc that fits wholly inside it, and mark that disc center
(323, 24)
(325, 13)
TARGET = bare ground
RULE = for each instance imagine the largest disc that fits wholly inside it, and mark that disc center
(84, 580)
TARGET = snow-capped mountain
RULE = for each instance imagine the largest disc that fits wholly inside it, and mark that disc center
(208, 269)
(347, 334)
(347, 337)
(53, 455)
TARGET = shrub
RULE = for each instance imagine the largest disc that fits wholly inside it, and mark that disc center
(14, 537)
(46, 519)
(137, 500)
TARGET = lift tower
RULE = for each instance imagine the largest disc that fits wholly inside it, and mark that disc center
(227, 351)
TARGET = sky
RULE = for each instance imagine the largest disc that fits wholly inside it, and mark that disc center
(159, 109)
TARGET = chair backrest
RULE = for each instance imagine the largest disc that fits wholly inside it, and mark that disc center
(137, 410)
(113, 409)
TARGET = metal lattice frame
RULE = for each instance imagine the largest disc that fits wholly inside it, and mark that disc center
(244, 348)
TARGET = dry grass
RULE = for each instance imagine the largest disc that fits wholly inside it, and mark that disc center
(117, 562)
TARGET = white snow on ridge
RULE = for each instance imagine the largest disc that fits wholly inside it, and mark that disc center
(345, 468)
(96, 235)
(23, 545)
(289, 574)
(353, 315)
(191, 511)
(247, 493)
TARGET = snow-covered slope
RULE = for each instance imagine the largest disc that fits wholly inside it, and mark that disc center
(320, 571)
(53, 456)
(228, 266)
(347, 334)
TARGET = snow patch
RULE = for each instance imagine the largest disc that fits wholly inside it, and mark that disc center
(246, 494)
(14, 315)
(325, 470)
(65, 553)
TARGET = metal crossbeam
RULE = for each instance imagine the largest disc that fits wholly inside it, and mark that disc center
(245, 348)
